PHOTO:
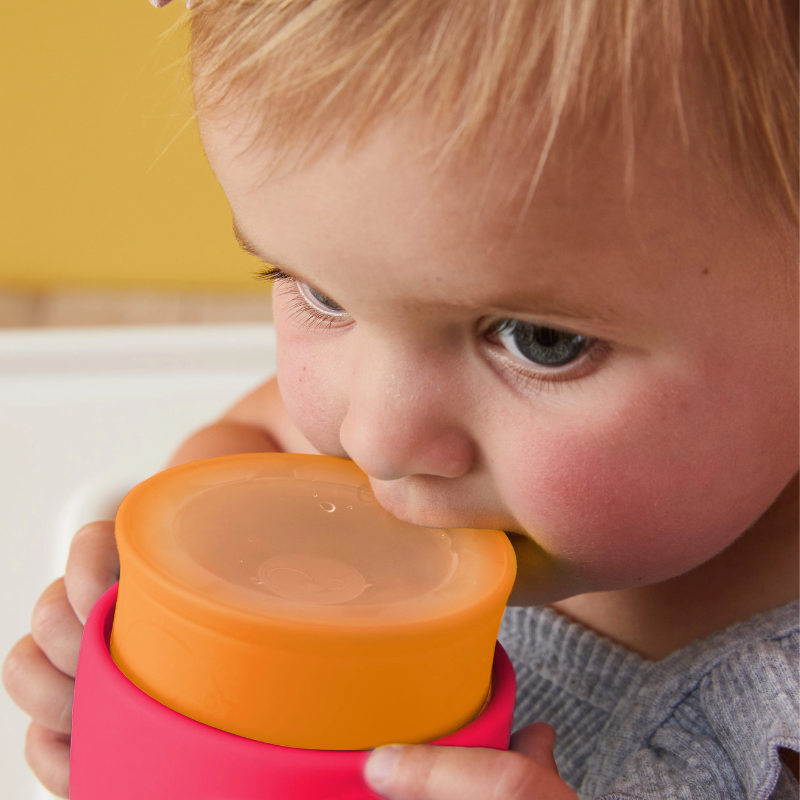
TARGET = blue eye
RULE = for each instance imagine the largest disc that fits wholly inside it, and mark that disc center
(319, 301)
(540, 345)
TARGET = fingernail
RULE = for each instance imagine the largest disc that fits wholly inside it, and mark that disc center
(381, 764)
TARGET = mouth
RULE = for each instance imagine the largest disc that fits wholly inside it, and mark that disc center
(433, 502)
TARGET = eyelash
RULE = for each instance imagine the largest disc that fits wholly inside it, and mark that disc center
(272, 275)
(311, 318)
(314, 319)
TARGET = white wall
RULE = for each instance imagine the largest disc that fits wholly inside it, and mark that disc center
(85, 414)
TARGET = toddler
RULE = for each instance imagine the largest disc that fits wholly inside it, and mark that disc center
(535, 270)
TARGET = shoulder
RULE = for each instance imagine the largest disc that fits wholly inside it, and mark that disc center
(719, 711)
(704, 723)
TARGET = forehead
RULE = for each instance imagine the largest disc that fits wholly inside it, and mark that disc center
(391, 208)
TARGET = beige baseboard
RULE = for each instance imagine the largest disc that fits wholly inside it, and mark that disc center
(75, 307)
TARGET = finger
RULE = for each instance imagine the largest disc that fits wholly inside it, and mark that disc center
(536, 742)
(460, 773)
(56, 629)
(92, 566)
(37, 687)
(47, 754)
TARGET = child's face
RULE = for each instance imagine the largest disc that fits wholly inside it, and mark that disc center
(630, 455)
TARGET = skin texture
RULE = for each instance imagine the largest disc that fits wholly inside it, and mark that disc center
(630, 468)
(649, 487)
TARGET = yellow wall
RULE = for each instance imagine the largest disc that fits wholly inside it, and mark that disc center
(93, 191)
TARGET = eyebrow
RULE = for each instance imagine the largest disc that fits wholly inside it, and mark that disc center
(543, 306)
(547, 307)
(250, 248)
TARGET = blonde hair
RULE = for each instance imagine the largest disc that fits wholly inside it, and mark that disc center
(491, 74)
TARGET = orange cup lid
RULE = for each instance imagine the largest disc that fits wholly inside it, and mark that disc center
(252, 557)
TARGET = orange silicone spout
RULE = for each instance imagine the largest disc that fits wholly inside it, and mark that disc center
(271, 596)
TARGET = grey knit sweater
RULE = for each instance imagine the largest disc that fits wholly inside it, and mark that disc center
(703, 723)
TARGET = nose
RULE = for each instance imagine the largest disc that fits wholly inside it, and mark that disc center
(407, 415)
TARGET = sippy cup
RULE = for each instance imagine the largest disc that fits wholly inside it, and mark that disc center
(272, 624)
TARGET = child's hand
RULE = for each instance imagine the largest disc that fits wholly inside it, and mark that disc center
(417, 772)
(39, 672)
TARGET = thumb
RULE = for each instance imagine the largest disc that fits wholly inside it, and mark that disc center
(536, 742)
(424, 772)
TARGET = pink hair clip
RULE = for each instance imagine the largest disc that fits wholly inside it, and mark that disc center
(161, 3)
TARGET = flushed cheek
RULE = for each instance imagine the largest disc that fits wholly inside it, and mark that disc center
(596, 515)
(309, 377)
(636, 494)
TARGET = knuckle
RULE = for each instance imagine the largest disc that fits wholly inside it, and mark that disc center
(47, 619)
(32, 748)
(98, 527)
(418, 772)
(83, 593)
(9, 675)
(516, 780)
(92, 566)
(64, 723)
(37, 687)
(16, 669)
(47, 754)
(89, 539)
(58, 715)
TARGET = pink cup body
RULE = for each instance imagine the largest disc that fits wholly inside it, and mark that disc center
(128, 746)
